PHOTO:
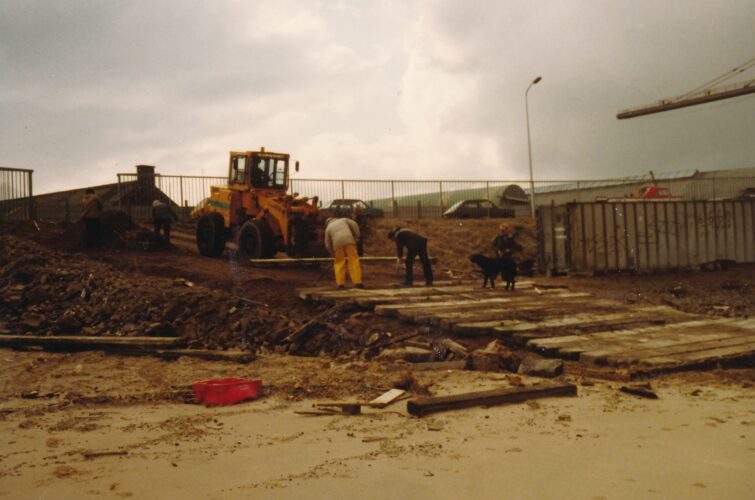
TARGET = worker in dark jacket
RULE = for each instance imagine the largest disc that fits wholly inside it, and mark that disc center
(358, 216)
(162, 214)
(415, 244)
(504, 243)
(92, 218)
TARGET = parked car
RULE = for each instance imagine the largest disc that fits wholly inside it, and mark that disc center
(345, 207)
(468, 209)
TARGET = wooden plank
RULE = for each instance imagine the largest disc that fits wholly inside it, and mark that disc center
(575, 320)
(495, 316)
(429, 365)
(386, 398)
(306, 293)
(333, 295)
(396, 309)
(523, 337)
(211, 355)
(682, 330)
(511, 311)
(569, 340)
(288, 262)
(422, 406)
(598, 351)
(634, 348)
(726, 352)
(424, 308)
(371, 301)
(699, 350)
(465, 291)
(88, 342)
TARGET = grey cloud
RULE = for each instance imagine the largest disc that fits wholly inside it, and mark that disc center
(88, 88)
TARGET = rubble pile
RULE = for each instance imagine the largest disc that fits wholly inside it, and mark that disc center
(118, 232)
(47, 293)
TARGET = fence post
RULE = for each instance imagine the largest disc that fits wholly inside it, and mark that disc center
(32, 214)
(343, 195)
(487, 189)
(441, 197)
(181, 189)
(120, 208)
(393, 200)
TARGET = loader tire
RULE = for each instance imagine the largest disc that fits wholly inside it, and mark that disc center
(255, 240)
(210, 235)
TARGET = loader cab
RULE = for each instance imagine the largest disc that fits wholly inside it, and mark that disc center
(258, 169)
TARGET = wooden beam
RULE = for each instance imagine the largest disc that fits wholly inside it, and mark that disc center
(85, 342)
(423, 406)
(319, 260)
(428, 366)
(208, 354)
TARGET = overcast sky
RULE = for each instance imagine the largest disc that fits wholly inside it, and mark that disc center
(369, 89)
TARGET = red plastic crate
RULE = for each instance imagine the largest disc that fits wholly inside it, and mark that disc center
(225, 391)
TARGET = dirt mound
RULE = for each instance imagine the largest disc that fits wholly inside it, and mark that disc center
(47, 293)
(118, 231)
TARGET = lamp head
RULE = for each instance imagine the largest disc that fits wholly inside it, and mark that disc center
(537, 79)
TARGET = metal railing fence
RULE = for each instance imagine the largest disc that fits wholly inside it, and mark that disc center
(430, 198)
(135, 195)
(397, 198)
(16, 200)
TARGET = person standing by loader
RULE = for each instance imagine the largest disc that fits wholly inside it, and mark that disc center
(162, 214)
(341, 236)
(92, 217)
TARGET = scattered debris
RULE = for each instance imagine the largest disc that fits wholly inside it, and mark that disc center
(408, 382)
(97, 454)
(435, 425)
(432, 365)
(387, 398)
(642, 390)
(409, 354)
(375, 439)
(537, 367)
(345, 408)
(494, 357)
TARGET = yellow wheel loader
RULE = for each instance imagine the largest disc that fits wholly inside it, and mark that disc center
(256, 211)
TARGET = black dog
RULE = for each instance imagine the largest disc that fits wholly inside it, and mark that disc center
(492, 266)
(508, 270)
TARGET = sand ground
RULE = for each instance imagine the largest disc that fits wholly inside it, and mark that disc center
(696, 441)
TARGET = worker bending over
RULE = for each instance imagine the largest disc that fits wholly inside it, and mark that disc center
(341, 236)
(415, 244)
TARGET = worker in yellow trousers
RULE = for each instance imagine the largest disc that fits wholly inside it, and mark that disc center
(341, 236)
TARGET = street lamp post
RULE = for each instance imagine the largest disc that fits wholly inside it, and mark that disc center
(529, 145)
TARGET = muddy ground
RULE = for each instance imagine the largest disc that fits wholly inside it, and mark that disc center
(696, 441)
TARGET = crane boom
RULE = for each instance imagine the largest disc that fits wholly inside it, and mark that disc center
(702, 97)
